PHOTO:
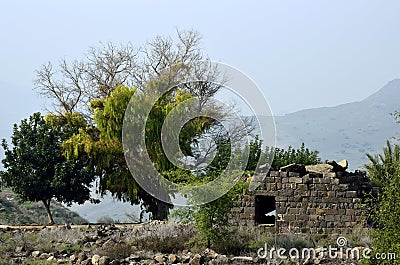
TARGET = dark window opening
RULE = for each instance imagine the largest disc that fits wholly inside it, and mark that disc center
(265, 211)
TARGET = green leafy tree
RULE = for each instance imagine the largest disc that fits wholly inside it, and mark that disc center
(383, 167)
(255, 153)
(291, 155)
(88, 86)
(384, 208)
(100, 146)
(36, 169)
(212, 219)
(281, 156)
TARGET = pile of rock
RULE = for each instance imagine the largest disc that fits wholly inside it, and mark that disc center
(185, 257)
(90, 243)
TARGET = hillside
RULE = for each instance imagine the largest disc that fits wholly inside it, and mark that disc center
(347, 131)
(12, 212)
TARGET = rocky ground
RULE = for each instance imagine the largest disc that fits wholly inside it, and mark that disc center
(151, 243)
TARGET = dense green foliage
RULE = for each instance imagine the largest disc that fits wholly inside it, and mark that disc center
(100, 147)
(36, 169)
(101, 80)
(301, 155)
(384, 212)
(212, 219)
(255, 153)
(281, 157)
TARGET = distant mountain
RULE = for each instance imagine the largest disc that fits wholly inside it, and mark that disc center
(12, 212)
(347, 131)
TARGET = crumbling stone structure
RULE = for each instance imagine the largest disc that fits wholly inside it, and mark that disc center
(322, 198)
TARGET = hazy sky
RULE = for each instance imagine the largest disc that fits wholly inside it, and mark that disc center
(302, 54)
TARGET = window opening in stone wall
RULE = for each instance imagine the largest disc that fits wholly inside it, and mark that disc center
(265, 211)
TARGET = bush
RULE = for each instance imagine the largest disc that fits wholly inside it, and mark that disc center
(166, 237)
(384, 210)
(116, 250)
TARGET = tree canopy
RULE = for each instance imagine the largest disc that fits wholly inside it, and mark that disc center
(36, 169)
(73, 85)
(100, 146)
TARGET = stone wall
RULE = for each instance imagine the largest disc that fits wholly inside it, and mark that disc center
(314, 199)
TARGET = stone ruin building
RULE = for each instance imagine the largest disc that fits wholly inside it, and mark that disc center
(316, 199)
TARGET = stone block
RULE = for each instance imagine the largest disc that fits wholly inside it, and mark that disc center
(329, 175)
(331, 194)
(329, 218)
(302, 217)
(281, 198)
(313, 217)
(302, 187)
(283, 174)
(345, 218)
(274, 173)
(335, 181)
(294, 174)
(295, 180)
(293, 211)
(289, 217)
(351, 194)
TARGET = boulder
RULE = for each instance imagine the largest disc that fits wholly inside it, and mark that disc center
(73, 258)
(160, 258)
(195, 260)
(45, 256)
(95, 259)
(81, 257)
(104, 260)
(172, 258)
(210, 253)
(19, 249)
(221, 259)
(319, 169)
(344, 164)
(336, 166)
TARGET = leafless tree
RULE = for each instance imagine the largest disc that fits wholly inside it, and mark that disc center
(73, 86)
(109, 66)
(68, 90)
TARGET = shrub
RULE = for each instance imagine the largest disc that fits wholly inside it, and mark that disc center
(116, 250)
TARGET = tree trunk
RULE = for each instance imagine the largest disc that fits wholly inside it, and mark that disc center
(47, 206)
(161, 211)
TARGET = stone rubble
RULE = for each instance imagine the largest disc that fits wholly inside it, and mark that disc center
(185, 257)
